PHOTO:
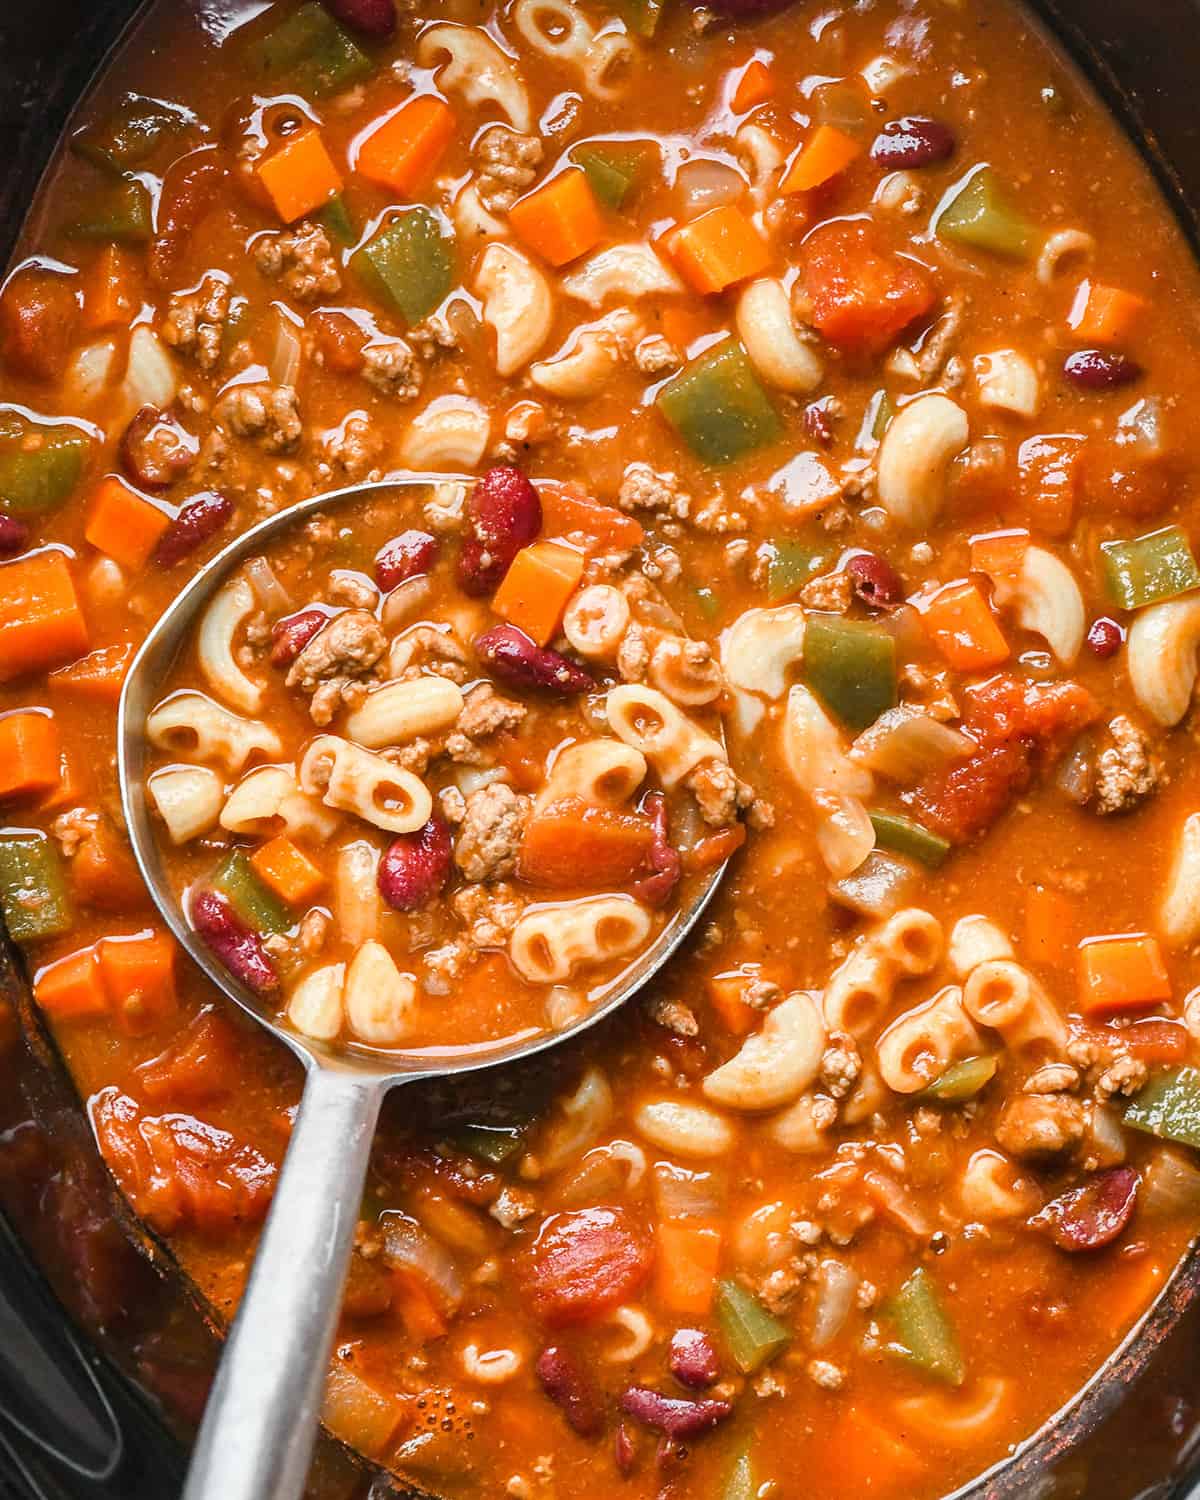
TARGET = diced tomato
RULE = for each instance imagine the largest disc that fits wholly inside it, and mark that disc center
(860, 295)
(970, 795)
(199, 1065)
(584, 1264)
(339, 340)
(39, 317)
(1049, 468)
(179, 1172)
(1154, 1042)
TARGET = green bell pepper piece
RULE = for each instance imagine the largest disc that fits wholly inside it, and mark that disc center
(927, 1337)
(740, 1482)
(493, 1144)
(34, 481)
(33, 888)
(906, 836)
(130, 136)
(121, 213)
(883, 411)
(612, 169)
(791, 564)
(254, 903)
(643, 16)
(980, 217)
(961, 1080)
(752, 1334)
(1149, 568)
(718, 406)
(336, 221)
(710, 605)
(409, 264)
(1169, 1106)
(851, 666)
(311, 46)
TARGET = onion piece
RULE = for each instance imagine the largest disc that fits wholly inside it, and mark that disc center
(409, 1247)
(879, 887)
(836, 1286)
(286, 351)
(268, 590)
(357, 1413)
(905, 743)
(845, 834)
(683, 1194)
(582, 1116)
(151, 378)
(704, 184)
(1140, 429)
(1170, 1185)
(1107, 1136)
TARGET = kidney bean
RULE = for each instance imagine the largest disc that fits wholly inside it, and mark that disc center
(196, 523)
(232, 943)
(655, 889)
(504, 514)
(415, 866)
(190, 189)
(1092, 1215)
(567, 1385)
(155, 450)
(14, 535)
(402, 558)
(1100, 369)
(667, 1414)
(875, 581)
(624, 1453)
(693, 1359)
(914, 141)
(1104, 637)
(373, 18)
(511, 656)
(290, 635)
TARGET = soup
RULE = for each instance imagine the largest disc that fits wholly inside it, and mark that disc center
(844, 351)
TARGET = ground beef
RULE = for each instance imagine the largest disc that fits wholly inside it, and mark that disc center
(485, 712)
(195, 322)
(262, 413)
(348, 453)
(719, 793)
(1126, 772)
(392, 369)
(832, 592)
(656, 355)
(489, 913)
(841, 1064)
(349, 646)
(1035, 1127)
(489, 837)
(1125, 1075)
(643, 488)
(506, 163)
(633, 655)
(672, 1015)
(301, 259)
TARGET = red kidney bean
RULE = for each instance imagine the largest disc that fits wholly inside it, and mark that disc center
(1092, 1215)
(290, 635)
(624, 1453)
(155, 450)
(667, 1414)
(1104, 637)
(875, 581)
(1100, 370)
(504, 514)
(567, 1385)
(415, 866)
(402, 558)
(197, 522)
(512, 657)
(232, 943)
(190, 189)
(693, 1358)
(14, 535)
(373, 18)
(656, 889)
(914, 141)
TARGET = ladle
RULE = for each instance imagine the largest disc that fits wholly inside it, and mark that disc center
(256, 1439)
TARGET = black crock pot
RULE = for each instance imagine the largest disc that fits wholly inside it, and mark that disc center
(70, 1426)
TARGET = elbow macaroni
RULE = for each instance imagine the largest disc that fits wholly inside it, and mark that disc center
(551, 942)
(233, 605)
(351, 779)
(648, 721)
(1162, 654)
(775, 1065)
(191, 725)
(914, 456)
(920, 1045)
(399, 712)
(188, 800)
(1006, 997)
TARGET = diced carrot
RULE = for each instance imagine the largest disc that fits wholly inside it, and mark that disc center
(565, 514)
(727, 993)
(30, 755)
(560, 220)
(1050, 470)
(41, 623)
(959, 622)
(720, 247)
(1104, 314)
(1051, 922)
(827, 152)
(123, 524)
(1127, 1294)
(340, 341)
(71, 788)
(200, 1064)
(713, 850)
(685, 322)
(1122, 973)
(403, 149)
(755, 86)
(859, 295)
(139, 975)
(111, 294)
(71, 989)
(300, 176)
(536, 588)
(420, 1314)
(287, 870)
(99, 675)
(104, 876)
(1000, 554)
(572, 845)
(685, 1268)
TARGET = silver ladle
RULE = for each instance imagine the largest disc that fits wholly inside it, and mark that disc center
(256, 1439)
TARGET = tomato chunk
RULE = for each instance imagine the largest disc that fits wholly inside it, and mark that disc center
(584, 1264)
(39, 318)
(861, 296)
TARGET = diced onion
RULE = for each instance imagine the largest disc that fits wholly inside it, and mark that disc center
(905, 744)
(836, 1285)
(1140, 429)
(879, 887)
(705, 184)
(286, 352)
(682, 1194)
(150, 376)
(268, 590)
(1170, 1185)
(357, 1413)
(410, 1247)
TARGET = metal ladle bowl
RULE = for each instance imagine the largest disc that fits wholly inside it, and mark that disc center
(256, 1440)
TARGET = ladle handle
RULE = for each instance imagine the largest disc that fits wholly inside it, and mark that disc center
(260, 1424)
